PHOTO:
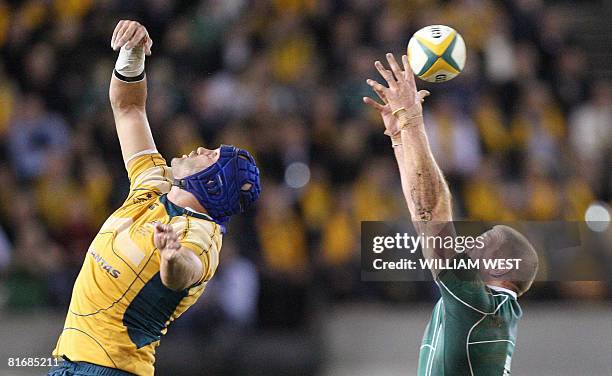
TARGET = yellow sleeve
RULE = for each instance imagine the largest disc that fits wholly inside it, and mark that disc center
(203, 238)
(149, 171)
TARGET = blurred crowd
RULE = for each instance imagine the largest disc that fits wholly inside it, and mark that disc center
(523, 133)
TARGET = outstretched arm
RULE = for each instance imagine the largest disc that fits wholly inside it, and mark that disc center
(128, 89)
(392, 130)
(425, 190)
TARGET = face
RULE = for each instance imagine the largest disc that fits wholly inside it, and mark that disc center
(196, 161)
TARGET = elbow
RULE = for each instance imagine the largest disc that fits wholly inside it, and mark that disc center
(174, 285)
(438, 211)
(123, 105)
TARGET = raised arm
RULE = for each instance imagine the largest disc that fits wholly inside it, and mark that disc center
(425, 189)
(423, 184)
(128, 89)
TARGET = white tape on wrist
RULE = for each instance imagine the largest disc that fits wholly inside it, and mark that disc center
(130, 63)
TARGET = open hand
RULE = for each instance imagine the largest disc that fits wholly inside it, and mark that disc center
(131, 34)
(401, 93)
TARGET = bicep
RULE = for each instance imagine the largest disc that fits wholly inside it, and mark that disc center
(199, 265)
(194, 264)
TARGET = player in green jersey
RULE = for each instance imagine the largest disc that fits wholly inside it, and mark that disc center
(472, 330)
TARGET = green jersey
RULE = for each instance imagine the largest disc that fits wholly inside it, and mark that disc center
(472, 330)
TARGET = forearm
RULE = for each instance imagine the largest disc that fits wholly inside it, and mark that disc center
(128, 104)
(128, 97)
(426, 186)
(398, 151)
(183, 270)
(427, 191)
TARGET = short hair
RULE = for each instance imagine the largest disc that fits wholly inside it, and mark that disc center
(511, 244)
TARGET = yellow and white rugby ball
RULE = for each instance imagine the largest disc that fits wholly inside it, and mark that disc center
(436, 53)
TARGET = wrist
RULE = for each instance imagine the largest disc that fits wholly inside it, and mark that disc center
(396, 139)
(170, 254)
(130, 64)
(409, 117)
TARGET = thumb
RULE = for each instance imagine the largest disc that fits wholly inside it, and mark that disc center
(421, 95)
(159, 227)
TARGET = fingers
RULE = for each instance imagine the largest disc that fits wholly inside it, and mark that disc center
(120, 30)
(386, 74)
(136, 38)
(421, 95)
(408, 74)
(378, 88)
(128, 33)
(116, 32)
(165, 237)
(158, 238)
(407, 68)
(163, 228)
(148, 44)
(159, 227)
(372, 103)
(395, 68)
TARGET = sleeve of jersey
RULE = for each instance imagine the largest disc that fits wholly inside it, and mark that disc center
(464, 289)
(203, 238)
(148, 171)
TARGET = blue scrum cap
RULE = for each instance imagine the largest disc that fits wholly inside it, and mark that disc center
(219, 188)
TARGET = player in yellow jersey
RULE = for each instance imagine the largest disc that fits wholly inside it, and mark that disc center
(152, 258)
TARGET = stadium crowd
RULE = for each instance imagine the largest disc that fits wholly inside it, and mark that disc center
(524, 133)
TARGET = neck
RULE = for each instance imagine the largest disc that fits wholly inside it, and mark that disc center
(504, 284)
(185, 199)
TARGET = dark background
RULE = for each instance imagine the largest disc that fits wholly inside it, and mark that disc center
(524, 133)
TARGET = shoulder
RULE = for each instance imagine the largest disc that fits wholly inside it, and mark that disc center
(460, 293)
(201, 234)
(149, 170)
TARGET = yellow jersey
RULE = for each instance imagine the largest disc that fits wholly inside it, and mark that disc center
(119, 307)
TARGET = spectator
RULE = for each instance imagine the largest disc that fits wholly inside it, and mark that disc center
(33, 135)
